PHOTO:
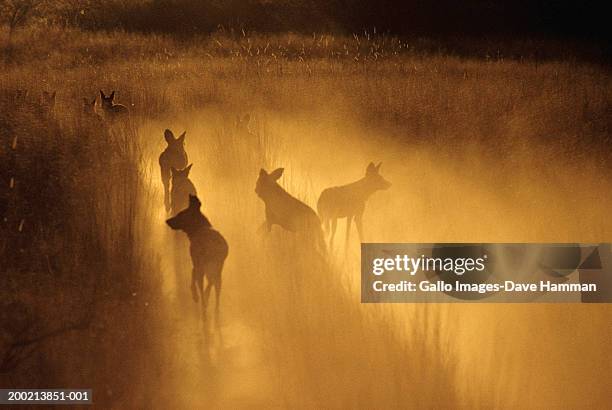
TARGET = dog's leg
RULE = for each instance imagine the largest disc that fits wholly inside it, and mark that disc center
(334, 225)
(205, 296)
(217, 293)
(349, 220)
(194, 287)
(166, 183)
(359, 224)
(264, 228)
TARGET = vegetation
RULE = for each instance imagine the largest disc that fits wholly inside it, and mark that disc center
(71, 253)
(480, 147)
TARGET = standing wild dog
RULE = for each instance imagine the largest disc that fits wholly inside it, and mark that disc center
(89, 113)
(285, 210)
(208, 251)
(111, 110)
(242, 124)
(89, 106)
(92, 125)
(349, 201)
(249, 140)
(182, 189)
(174, 156)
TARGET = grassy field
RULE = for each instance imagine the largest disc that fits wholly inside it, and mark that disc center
(477, 149)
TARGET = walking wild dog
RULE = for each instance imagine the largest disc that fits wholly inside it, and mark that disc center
(174, 156)
(111, 110)
(349, 201)
(285, 210)
(208, 251)
(182, 188)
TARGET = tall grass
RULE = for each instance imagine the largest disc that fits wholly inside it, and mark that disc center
(477, 149)
(72, 257)
(286, 312)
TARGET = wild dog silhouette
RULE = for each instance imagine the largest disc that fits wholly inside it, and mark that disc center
(174, 156)
(93, 129)
(112, 111)
(287, 211)
(241, 124)
(208, 251)
(89, 114)
(89, 106)
(242, 131)
(349, 201)
(182, 188)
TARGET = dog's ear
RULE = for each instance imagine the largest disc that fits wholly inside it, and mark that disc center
(371, 168)
(277, 173)
(168, 136)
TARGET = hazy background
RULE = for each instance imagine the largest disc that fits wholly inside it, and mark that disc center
(488, 131)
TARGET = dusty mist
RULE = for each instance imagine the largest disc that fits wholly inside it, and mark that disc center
(476, 151)
(501, 355)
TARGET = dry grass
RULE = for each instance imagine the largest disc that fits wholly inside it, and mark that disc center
(477, 149)
(76, 273)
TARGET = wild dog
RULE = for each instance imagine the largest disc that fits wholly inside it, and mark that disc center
(242, 124)
(242, 130)
(182, 188)
(93, 128)
(174, 156)
(111, 110)
(89, 106)
(285, 210)
(249, 140)
(349, 201)
(89, 113)
(208, 251)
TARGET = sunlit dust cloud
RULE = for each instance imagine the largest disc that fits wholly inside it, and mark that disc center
(438, 195)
